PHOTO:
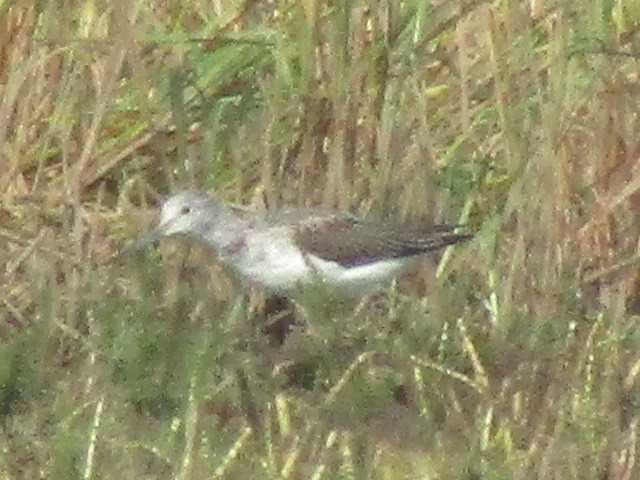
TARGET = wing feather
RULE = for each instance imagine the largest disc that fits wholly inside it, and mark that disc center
(352, 242)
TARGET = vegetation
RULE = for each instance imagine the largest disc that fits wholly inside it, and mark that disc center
(515, 355)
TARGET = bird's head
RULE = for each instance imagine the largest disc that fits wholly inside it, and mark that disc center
(189, 212)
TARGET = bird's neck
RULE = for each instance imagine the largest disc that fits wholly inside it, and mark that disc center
(226, 233)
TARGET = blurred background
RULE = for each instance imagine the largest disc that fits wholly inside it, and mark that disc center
(515, 355)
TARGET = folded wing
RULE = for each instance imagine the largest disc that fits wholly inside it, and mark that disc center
(353, 242)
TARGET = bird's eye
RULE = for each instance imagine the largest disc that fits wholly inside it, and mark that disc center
(186, 210)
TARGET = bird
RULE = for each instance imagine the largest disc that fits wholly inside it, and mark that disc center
(285, 251)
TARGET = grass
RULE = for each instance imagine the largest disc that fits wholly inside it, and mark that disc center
(512, 356)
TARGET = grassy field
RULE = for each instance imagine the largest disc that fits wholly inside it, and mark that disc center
(513, 356)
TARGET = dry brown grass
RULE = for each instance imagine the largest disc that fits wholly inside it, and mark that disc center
(519, 118)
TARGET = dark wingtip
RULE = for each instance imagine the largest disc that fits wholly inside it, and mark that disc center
(463, 237)
(454, 238)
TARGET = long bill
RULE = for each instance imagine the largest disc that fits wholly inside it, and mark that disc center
(146, 239)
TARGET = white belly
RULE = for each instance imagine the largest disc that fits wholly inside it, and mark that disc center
(278, 266)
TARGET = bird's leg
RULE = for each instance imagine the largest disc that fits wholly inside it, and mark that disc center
(280, 317)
